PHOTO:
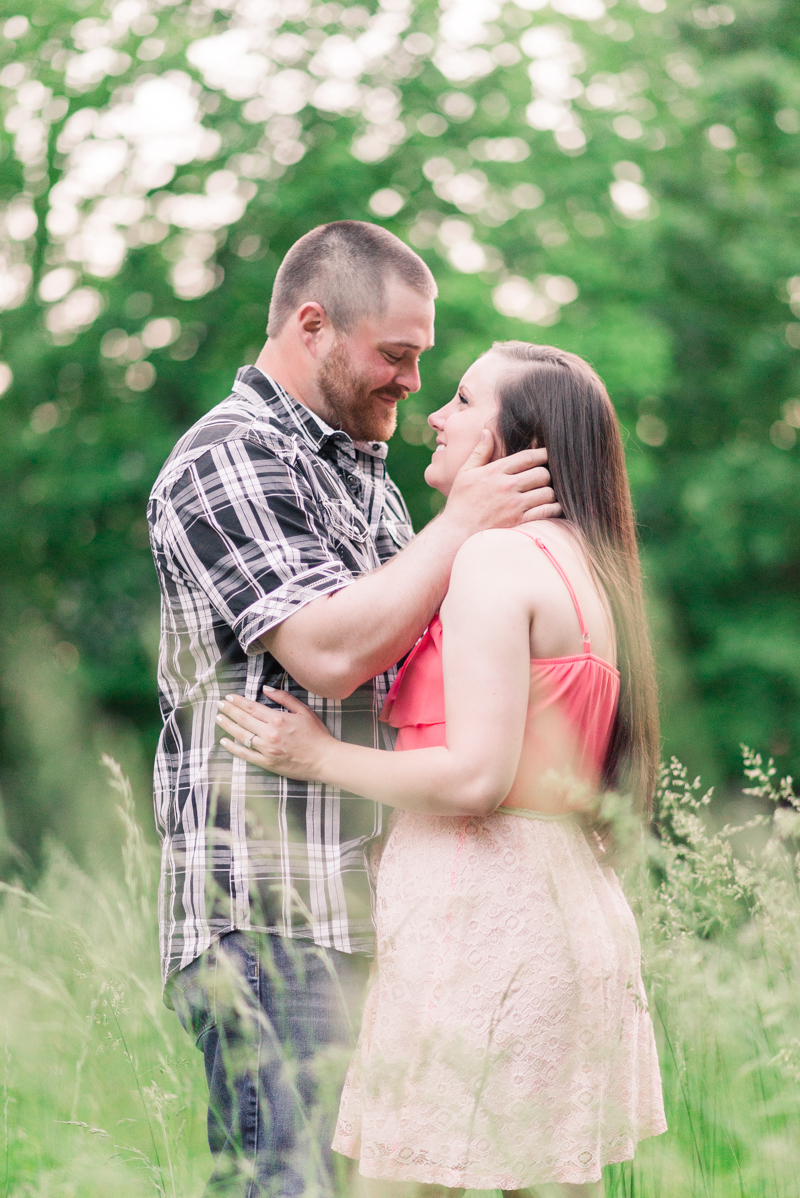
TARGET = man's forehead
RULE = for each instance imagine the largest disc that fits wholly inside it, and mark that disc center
(406, 326)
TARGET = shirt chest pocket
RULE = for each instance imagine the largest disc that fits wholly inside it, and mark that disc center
(344, 521)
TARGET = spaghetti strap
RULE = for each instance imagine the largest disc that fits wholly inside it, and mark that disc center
(587, 645)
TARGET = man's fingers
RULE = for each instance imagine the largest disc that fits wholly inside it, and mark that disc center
(539, 497)
(537, 479)
(524, 460)
(547, 511)
(482, 453)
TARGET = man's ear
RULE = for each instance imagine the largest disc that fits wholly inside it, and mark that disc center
(313, 327)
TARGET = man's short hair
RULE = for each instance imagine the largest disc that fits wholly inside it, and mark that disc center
(345, 266)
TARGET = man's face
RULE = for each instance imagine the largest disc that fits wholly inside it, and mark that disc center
(366, 373)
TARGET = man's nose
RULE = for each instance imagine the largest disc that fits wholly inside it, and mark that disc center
(408, 377)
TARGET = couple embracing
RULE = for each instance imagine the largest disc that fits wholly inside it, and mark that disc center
(506, 1042)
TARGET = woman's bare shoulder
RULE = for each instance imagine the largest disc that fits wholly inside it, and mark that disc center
(492, 572)
(491, 545)
(509, 560)
(496, 544)
(494, 559)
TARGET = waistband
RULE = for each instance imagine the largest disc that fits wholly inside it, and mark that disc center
(526, 813)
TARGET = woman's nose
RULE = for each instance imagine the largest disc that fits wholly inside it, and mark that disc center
(436, 420)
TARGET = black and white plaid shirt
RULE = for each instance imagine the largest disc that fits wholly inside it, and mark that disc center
(257, 512)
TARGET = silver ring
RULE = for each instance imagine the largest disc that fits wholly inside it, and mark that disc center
(248, 742)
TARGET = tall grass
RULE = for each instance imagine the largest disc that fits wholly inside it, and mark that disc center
(103, 1093)
(721, 951)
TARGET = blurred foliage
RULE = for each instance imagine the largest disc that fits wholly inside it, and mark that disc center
(102, 1092)
(622, 183)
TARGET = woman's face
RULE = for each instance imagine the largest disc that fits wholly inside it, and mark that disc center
(460, 422)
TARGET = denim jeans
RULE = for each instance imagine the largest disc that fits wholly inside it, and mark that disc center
(270, 1016)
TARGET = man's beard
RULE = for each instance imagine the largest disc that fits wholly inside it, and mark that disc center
(351, 403)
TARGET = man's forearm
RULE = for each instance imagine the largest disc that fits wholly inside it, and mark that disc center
(339, 641)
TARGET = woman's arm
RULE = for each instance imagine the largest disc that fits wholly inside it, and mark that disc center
(486, 625)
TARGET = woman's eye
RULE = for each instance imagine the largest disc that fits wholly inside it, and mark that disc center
(462, 398)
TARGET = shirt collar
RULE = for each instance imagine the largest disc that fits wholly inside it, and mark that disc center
(326, 428)
(295, 416)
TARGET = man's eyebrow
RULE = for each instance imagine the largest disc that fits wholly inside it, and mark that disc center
(408, 345)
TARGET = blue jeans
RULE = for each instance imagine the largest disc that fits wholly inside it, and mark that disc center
(269, 1015)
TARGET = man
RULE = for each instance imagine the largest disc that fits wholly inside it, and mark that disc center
(285, 557)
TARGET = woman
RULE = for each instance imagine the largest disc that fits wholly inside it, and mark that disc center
(506, 1042)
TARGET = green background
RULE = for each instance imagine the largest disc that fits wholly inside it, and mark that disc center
(683, 307)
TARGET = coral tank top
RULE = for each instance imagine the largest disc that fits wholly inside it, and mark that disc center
(571, 708)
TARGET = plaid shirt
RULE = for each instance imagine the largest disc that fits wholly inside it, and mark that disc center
(257, 512)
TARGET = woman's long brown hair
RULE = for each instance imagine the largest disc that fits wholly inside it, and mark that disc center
(552, 398)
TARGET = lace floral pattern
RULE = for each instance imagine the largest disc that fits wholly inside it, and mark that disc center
(506, 1039)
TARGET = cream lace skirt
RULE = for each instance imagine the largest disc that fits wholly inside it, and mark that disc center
(506, 1040)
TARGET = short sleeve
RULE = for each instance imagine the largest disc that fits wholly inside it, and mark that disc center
(242, 523)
